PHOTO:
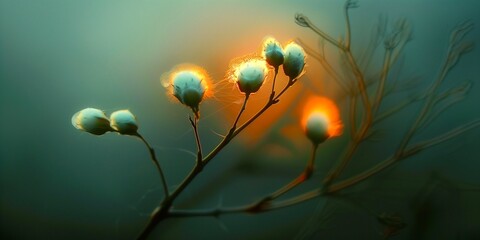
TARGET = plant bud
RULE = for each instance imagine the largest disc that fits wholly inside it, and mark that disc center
(189, 86)
(91, 120)
(273, 52)
(321, 119)
(250, 75)
(316, 127)
(124, 122)
(294, 60)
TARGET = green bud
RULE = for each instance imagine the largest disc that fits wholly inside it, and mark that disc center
(91, 120)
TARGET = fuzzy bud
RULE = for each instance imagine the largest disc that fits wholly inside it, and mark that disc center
(321, 119)
(91, 120)
(316, 127)
(294, 60)
(273, 52)
(124, 122)
(250, 75)
(189, 88)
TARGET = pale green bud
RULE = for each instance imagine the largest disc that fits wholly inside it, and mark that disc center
(91, 120)
(124, 122)
(294, 60)
(317, 127)
(190, 85)
(250, 75)
(273, 52)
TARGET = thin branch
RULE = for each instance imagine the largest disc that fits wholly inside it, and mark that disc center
(348, 4)
(381, 85)
(268, 204)
(335, 172)
(162, 211)
(194, 124)
(304, 176)
(235, 131)
(153, 157)
(303, 21)
(392, 110)
(272, 94)
(441, 138)
(264, 204)
(234, 126)
(326, 65)
(353, 116)
(407, 153)
(451, 59)
(271, 102)
(378, 33)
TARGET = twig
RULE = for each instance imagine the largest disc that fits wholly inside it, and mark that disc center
(304, 176)
(264, 204)
(272, 94)
(162, 211)
(450, 60)
(234, 126)
(194, 124)
(392, 110)
(381, 85)
(326, 65)
(153, 157)
(353, 116)
(348, 4)
(303, 21)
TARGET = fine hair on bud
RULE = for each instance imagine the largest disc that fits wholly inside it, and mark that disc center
(272, 52)
(189, 84)
(124, 122)
(321, 119)
(316, 127)
(294, 61)
(249, 74)
(91, 120)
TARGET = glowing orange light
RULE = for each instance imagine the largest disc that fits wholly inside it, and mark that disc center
(327, 108)
(167, 79)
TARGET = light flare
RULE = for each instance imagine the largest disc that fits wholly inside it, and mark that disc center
(323, 106)
(240, 64)
(168, 78)
(248, 73)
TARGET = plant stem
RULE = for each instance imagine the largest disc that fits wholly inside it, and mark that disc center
(258, 206)
(367, 119)
(304, 176)
(383, 78)
(347, 23)
(194, 124)
(268, 204)
(353, 116)
(273, 84)
(429, 101)
(271, 102)
(162, 212)
(305, 22)
(234, 126)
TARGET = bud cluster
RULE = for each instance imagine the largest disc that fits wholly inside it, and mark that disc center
(95, 121)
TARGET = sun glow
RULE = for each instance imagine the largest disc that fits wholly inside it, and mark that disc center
(321, 106)
(206, 82)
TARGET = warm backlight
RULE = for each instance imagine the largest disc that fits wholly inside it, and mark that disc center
(167, 79)
(327, 108)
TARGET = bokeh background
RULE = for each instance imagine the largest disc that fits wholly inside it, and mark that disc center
(57, 57)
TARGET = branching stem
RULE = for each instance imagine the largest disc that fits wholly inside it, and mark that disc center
(304, 176)
(163, 211)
